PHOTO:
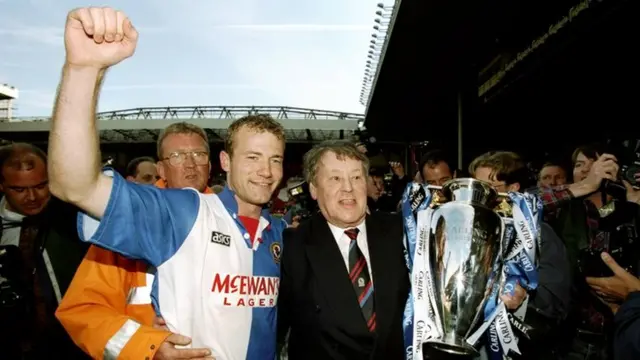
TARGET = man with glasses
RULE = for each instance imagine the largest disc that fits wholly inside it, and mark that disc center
(110, 293)
(217, 256)
(183, 151)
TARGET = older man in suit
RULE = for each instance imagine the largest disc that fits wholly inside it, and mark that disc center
(344, 282)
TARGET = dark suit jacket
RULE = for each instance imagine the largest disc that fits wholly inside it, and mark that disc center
(317, 301)
(57, 237)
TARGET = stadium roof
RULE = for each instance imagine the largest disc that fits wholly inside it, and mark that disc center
(8, 92)
(143, 124)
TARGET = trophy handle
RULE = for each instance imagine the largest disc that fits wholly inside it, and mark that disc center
(503, 206)
(436, 195)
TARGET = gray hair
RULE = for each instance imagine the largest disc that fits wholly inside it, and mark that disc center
(343, 149)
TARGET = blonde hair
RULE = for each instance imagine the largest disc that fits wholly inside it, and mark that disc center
(343, 149)
(181, 128)
(258, 123)
(505, 166)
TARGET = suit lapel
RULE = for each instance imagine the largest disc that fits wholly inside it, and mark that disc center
(331, 273)
(384, 282)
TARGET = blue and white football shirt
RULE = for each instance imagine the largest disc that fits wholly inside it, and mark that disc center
(213, 283)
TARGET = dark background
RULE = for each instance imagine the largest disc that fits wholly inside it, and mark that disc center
(579, 86)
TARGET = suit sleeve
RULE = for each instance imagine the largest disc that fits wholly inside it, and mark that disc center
(142, 221)
(553, 295)
(626, 340)
(94, 307)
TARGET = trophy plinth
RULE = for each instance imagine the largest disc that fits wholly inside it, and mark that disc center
(453, 345)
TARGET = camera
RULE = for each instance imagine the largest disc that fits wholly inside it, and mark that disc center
(628, 158)
(304, 205)
(622, 245)
(387, 180)
(11, 289)
(591, 264)
(631, 161)
(366, 141)
(628, 154)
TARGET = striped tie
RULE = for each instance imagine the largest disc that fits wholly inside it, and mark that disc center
(359, 275)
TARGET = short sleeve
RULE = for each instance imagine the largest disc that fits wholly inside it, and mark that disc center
(142, 221)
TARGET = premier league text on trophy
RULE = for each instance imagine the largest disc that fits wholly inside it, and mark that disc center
(462, 253)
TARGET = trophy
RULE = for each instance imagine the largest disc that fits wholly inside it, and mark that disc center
(464, 245)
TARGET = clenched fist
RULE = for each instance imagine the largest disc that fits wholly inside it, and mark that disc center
(98, 37)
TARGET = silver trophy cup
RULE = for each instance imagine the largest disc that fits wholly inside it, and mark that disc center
(464, 243)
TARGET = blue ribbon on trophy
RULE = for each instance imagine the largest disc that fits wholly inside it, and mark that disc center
(416, 198)
(513, 251)
(521, 244)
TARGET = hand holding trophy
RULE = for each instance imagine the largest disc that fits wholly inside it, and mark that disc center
(466, 245)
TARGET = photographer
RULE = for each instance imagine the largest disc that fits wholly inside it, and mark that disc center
(377, 197)
(39, 254)
(594, 214)
(387, 180)
(301, 205)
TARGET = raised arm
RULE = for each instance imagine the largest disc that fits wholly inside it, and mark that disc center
(605, 168)
(95, 39)
(140, 222)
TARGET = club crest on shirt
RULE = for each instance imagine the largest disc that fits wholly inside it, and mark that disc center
(276, 250)
(220, 238)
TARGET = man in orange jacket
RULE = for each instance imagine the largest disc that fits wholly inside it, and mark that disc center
(107, 309)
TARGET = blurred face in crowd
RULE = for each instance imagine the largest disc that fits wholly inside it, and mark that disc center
(436, 174)
(375, 187)
(340, 187)
(581, 167)
(185, 161)
(26, 189)
(254, 169)
(488, 175)
(362, 148)
(146, 173)
(552, 175)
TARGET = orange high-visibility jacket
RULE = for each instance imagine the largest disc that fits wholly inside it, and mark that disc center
(107, 309)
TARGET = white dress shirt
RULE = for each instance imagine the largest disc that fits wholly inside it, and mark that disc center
(10, 236)
(343, 242)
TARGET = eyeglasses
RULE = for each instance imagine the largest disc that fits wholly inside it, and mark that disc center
(177, 158)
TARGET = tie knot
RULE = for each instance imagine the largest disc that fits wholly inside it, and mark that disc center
(352, 233)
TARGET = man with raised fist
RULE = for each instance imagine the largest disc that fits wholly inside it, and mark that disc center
(217, 256)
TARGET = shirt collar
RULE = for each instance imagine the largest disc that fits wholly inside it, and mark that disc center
(162, 184)
(8, 214)
(228, 198)
(338, 231)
